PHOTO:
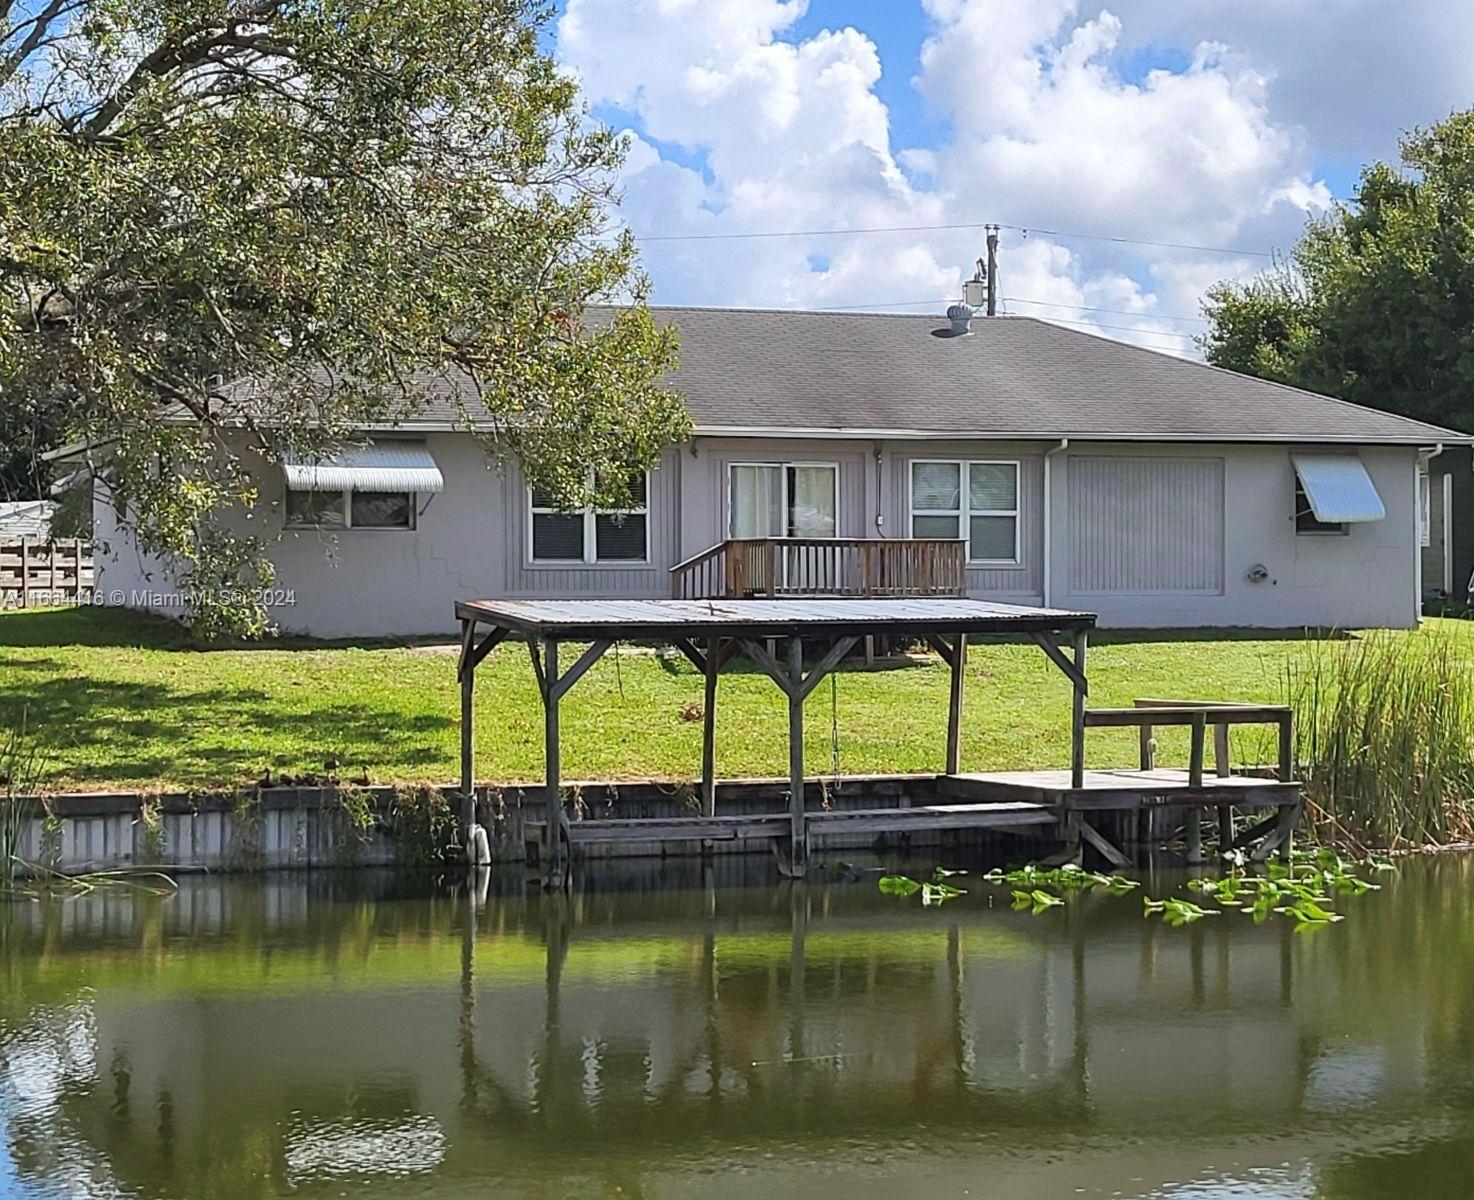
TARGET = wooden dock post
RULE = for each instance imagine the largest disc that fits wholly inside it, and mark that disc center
(799, 854)
(709, 728)
(954, 709)
(551, 753)
(1077, 718)
(468, 761)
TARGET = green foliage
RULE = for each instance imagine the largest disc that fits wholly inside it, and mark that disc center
(1385, 737)
(151, 821)
(421, 825)
(1070, 877)
(933, 891)
(247, 851)
(1376, 304)
(1036, 900)
(1175, 911)
(1301, 890)
(356, 822)
(19, 770)
(1030, 882)
(296, 220)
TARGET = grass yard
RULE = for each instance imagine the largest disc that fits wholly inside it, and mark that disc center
(115, 699)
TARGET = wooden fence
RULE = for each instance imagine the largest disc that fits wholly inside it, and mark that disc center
(38, 573)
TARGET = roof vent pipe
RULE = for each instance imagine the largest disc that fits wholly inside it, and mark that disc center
(961, 317)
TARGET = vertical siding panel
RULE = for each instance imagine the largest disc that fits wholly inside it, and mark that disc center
(1139, 524)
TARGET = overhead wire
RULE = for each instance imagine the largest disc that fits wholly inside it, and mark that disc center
(1026, 230)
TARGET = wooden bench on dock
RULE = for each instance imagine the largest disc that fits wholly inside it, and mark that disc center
(1081, 791)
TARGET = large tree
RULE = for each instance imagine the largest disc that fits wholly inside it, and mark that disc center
(1376, 302)
(346, 203)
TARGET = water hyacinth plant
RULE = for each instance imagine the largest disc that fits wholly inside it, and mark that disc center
(1384, 743)
(934, 891)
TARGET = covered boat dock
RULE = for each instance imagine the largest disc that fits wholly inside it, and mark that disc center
(797, 643)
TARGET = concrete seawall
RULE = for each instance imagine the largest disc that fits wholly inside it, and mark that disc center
(295, 828)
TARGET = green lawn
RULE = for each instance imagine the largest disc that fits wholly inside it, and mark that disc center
(117, 699)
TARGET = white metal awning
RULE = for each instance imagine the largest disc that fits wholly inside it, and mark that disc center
(380, 467)
(1338, 488)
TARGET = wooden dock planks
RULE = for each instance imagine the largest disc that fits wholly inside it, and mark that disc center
(1119, 788)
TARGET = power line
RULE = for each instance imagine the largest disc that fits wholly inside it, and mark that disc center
(1120, 312)
(1166, 333)
(873, 229)
(788, 233)
(1059, 320)
(1097, 237)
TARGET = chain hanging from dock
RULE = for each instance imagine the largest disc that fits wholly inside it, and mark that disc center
(834, 730)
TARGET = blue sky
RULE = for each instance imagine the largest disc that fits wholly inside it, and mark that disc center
(1222, 124)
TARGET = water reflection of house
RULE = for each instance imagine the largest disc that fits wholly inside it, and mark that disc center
(555, 1038)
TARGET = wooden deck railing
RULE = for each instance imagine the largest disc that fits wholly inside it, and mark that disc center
(747, 568)
(54, 572)
(1199, 716)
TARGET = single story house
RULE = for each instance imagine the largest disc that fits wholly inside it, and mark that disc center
(1081, 473)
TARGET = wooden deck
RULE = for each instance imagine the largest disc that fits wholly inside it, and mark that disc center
(1003, 814)
(1004, 801)
(1118, 788)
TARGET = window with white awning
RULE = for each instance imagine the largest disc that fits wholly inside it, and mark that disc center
(378, 467)
(1333, 491)
(360, 487)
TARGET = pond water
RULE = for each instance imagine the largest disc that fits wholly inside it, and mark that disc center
(661, 1034)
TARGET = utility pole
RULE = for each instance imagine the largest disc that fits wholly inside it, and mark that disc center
(992, 232)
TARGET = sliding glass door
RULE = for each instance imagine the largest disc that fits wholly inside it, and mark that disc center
(784, 500)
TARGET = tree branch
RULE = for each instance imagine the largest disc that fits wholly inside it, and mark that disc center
(40, 27)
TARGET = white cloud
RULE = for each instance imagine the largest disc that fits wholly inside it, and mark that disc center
(1351, 73)
(777, 132)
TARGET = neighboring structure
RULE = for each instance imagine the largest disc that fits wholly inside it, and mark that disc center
(1083, 473)
(1446, 495)
(29, 519)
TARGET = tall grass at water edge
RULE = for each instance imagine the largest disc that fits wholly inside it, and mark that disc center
(1384, 737)
(18, 807)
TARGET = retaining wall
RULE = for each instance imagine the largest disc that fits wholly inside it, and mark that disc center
(292, 828)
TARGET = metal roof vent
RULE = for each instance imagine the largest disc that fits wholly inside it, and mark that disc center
(961, 317)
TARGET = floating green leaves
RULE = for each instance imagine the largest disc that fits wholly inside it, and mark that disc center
(1036, 901)
(1302, 889)
(1069, 878)
(934, 891)
(1176, 911)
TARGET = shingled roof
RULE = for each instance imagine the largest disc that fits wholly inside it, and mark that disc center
(786, 371)
(781, 370)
